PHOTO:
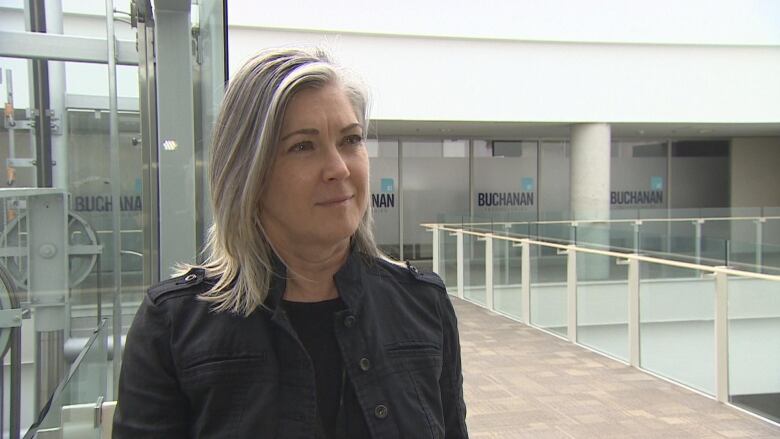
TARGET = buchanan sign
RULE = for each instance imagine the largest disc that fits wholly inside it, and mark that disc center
(104, 203)
(505, 199)
(386, 198)
(636, 197)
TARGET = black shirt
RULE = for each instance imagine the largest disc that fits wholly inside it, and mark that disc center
(314, 323)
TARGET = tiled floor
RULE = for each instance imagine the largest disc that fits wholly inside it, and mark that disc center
(520, 382)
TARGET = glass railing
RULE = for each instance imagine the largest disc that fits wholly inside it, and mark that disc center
(602, 303)
(74, 408)
(507, 277)
(708, 327)
(745, 239)
(754, 350)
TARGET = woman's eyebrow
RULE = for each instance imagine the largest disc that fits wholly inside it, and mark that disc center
(309, 131)
(314, 131)
(349, 127)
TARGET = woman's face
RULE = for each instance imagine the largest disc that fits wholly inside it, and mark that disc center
(318, 188)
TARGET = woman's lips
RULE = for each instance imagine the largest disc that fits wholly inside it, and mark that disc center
(336, 200)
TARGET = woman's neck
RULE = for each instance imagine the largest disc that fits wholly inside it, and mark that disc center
(310, 270)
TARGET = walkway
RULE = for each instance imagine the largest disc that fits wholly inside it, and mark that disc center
(523, 383)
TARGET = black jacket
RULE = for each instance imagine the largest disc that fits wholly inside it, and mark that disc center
(189, 372)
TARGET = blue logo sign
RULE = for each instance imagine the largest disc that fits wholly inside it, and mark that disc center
(387, 185)
(528, 184)
(656, 183)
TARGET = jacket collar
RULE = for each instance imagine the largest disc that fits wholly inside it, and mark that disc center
(348, 281)
(278, 283)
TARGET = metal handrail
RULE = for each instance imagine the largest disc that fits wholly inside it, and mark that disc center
(608, 221)
(631, 256)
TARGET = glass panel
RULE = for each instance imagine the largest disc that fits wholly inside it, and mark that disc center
(73, 403)
(622, 236)
(714, 251)
(593, 235)
(744, 249)
(677, 325)
(448, 253)
(474, 266)
(209, 76)
(770, 259)
(770, 242)
(383, 158)
(548, 289)
(435, 185)
(560, 232)
(507, 277)
(653, 237)
(554, 176)
(91, 220)
(754, 353)
(82, 151)
(638, 175)
(700, 174)
(602, 304)
(505, 180)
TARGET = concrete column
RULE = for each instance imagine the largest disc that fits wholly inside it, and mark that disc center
(590, 187)
(590, 156)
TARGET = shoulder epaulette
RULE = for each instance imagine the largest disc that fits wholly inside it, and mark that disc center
(429, 277)
(178, 284)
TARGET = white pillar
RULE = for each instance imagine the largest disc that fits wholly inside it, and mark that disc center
(59, 131)
(590, 190)
(590, 155)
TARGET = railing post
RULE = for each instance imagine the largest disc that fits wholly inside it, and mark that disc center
(573, 233)
(571, 293)
(759, 244)
(459, 237)
(637, 226)
(633, 312)
(525, 281)
(435, 253)
(697, 253)
(722, 337)
(489, 272)
(507, 246)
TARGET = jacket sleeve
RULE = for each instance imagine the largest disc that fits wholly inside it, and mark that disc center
(451, 380)
(150, 403)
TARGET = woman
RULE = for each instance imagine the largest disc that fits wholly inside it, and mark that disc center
(296, 326)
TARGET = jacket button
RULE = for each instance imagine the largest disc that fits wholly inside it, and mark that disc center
(349, 321)
(364, 364)
(380, 411)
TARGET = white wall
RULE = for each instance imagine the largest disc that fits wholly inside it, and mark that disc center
(660, 21)
(755, 172)
(525, 60)
(418, 78)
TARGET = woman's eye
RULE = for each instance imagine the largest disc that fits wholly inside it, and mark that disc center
(302, 146)
(354, 139)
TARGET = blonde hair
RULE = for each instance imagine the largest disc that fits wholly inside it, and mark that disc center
(242, 152)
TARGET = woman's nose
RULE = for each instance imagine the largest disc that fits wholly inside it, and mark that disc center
(335, 165)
